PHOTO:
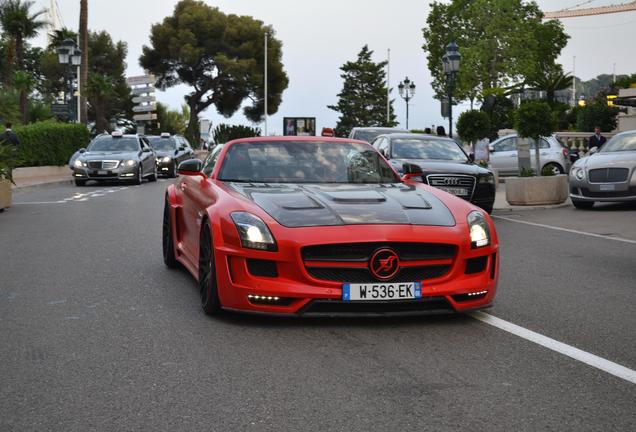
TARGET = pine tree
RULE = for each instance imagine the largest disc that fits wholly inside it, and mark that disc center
(362, 100)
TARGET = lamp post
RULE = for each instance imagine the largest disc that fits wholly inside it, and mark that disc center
(407, 91)
(68, 54)
(451, 61)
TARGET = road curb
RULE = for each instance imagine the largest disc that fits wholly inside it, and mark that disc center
(526, 208)
(40, 185)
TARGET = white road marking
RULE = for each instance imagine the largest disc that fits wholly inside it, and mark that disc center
(570, 351)
(39, 202)
(77, 197)
(619, 239)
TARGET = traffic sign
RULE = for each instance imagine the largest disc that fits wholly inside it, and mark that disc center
(145, 108)
(145, 117)
(142, 99)
(141, 80)
(142, 90)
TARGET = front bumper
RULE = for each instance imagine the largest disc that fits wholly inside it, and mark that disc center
(292, 290)
(119, 173)
(582, 190)
(165, 168)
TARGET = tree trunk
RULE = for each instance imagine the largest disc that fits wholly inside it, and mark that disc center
(24, 102)
(101, 123)
(192, 132)
(24, 106)
(537, 160)
(83, 76)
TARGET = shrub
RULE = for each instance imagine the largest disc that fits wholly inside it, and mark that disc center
(535, 119)
(596, 114)
(473, 125)
(224, 133)
(49, 143)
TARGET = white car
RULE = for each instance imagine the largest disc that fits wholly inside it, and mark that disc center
(552, 153)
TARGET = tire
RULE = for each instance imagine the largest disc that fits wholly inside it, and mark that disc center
(208, 287)
(167, 238)
(583, 205)
(487, 209)
(139, 177)
(80, 182)
(153, 177)
(555, 167)
(174, 174)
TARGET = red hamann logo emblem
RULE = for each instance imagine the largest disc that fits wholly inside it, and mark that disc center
(384, 264)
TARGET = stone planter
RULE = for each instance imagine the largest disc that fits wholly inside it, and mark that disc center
(537, 190)
(5, 194)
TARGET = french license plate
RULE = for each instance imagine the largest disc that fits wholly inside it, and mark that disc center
(102, 172)
(381, 291)
(608, 187)
(455, 190)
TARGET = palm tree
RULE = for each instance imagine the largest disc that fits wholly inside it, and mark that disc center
(19, 24)
(59, 36)
(99, 89)
(83, 35)
(552, 80)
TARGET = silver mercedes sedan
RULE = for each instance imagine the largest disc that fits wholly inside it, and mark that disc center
(608, 175)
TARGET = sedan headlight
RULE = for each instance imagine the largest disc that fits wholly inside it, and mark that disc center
(488, 178)
(166, 159)
(253, 232)
(129, 163)
(579, 173)
(479, 230)
(79, 164)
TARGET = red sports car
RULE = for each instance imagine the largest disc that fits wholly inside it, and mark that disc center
(324, 226)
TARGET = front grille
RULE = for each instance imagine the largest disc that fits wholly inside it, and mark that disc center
(609, 194)
(608, 175)
(108, 165)
(330, 261)
(362, 275)
(396, 307)
(454, 181)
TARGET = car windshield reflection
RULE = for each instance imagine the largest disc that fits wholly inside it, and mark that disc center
(109, 144)
(620, 143)
(435, 149)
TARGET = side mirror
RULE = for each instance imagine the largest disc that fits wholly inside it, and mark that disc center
(383, 153)
(82, 150)
(411, 170)
(182, 148)
(146, 150)
(191, 167)
(471, 157)
(593, 150)
(491, 148)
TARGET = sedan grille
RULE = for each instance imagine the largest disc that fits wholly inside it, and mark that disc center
(450, 181)
(107, 164)
(609, 175)
(350, 262)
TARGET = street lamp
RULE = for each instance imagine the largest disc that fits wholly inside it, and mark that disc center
(69, 54)
(451, 61)
(407, 91)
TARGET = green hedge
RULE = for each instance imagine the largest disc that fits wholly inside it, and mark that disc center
(49, 143)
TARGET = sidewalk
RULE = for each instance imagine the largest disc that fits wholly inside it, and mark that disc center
(30, 177)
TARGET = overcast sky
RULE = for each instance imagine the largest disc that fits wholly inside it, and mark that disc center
(319, 36)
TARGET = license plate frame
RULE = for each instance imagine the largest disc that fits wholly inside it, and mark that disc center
(457, 191)
(607, 187)
(355, 292)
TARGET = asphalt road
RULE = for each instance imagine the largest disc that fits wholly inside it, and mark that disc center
(97, 335)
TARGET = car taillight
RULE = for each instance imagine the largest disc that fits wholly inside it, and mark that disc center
(566, 153)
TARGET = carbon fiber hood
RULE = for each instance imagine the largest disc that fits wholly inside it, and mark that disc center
(347, 204)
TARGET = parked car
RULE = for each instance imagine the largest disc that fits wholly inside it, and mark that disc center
(552, 153)
(368, 134)
(324, 226)
(115, 157)
(444, 164)
(608, 175)
(171, 150)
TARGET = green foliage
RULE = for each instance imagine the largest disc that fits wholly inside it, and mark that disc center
(8, 162)
(535, 119)
(526, 172)
(40, 111)
(501, 42)
(49, 143)
(9, 106)
(224, 133)
(500, 109)
(171, 121)
(221, 56)
(625, 81)
(596, 114)
(362, 100)
(473, 125)
(552, 80)
(418, 131)
(547, 171)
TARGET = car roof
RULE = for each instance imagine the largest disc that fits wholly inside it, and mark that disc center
(379, 127)
(415, 135)
(296, 138)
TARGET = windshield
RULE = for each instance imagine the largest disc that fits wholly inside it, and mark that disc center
(110, 144)
(369, 135)
(620, 143)
(305, 162)
(427, 148)
(165, 144)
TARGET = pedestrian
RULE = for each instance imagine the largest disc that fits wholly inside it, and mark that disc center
(428, 131)
(9, 137)
(441, 131)
(597, 140)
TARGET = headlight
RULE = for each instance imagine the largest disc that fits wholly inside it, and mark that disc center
(166, 159)
(79, 164)
(479, 230)
(129, 163)
(253, 232)
(579, 173)
(488, 178)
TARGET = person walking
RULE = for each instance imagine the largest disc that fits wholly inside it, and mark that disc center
(597, 140)
(441, 131)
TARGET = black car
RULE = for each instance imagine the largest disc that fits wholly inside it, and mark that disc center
(171, 151)
(115, 157)
(444, 163)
